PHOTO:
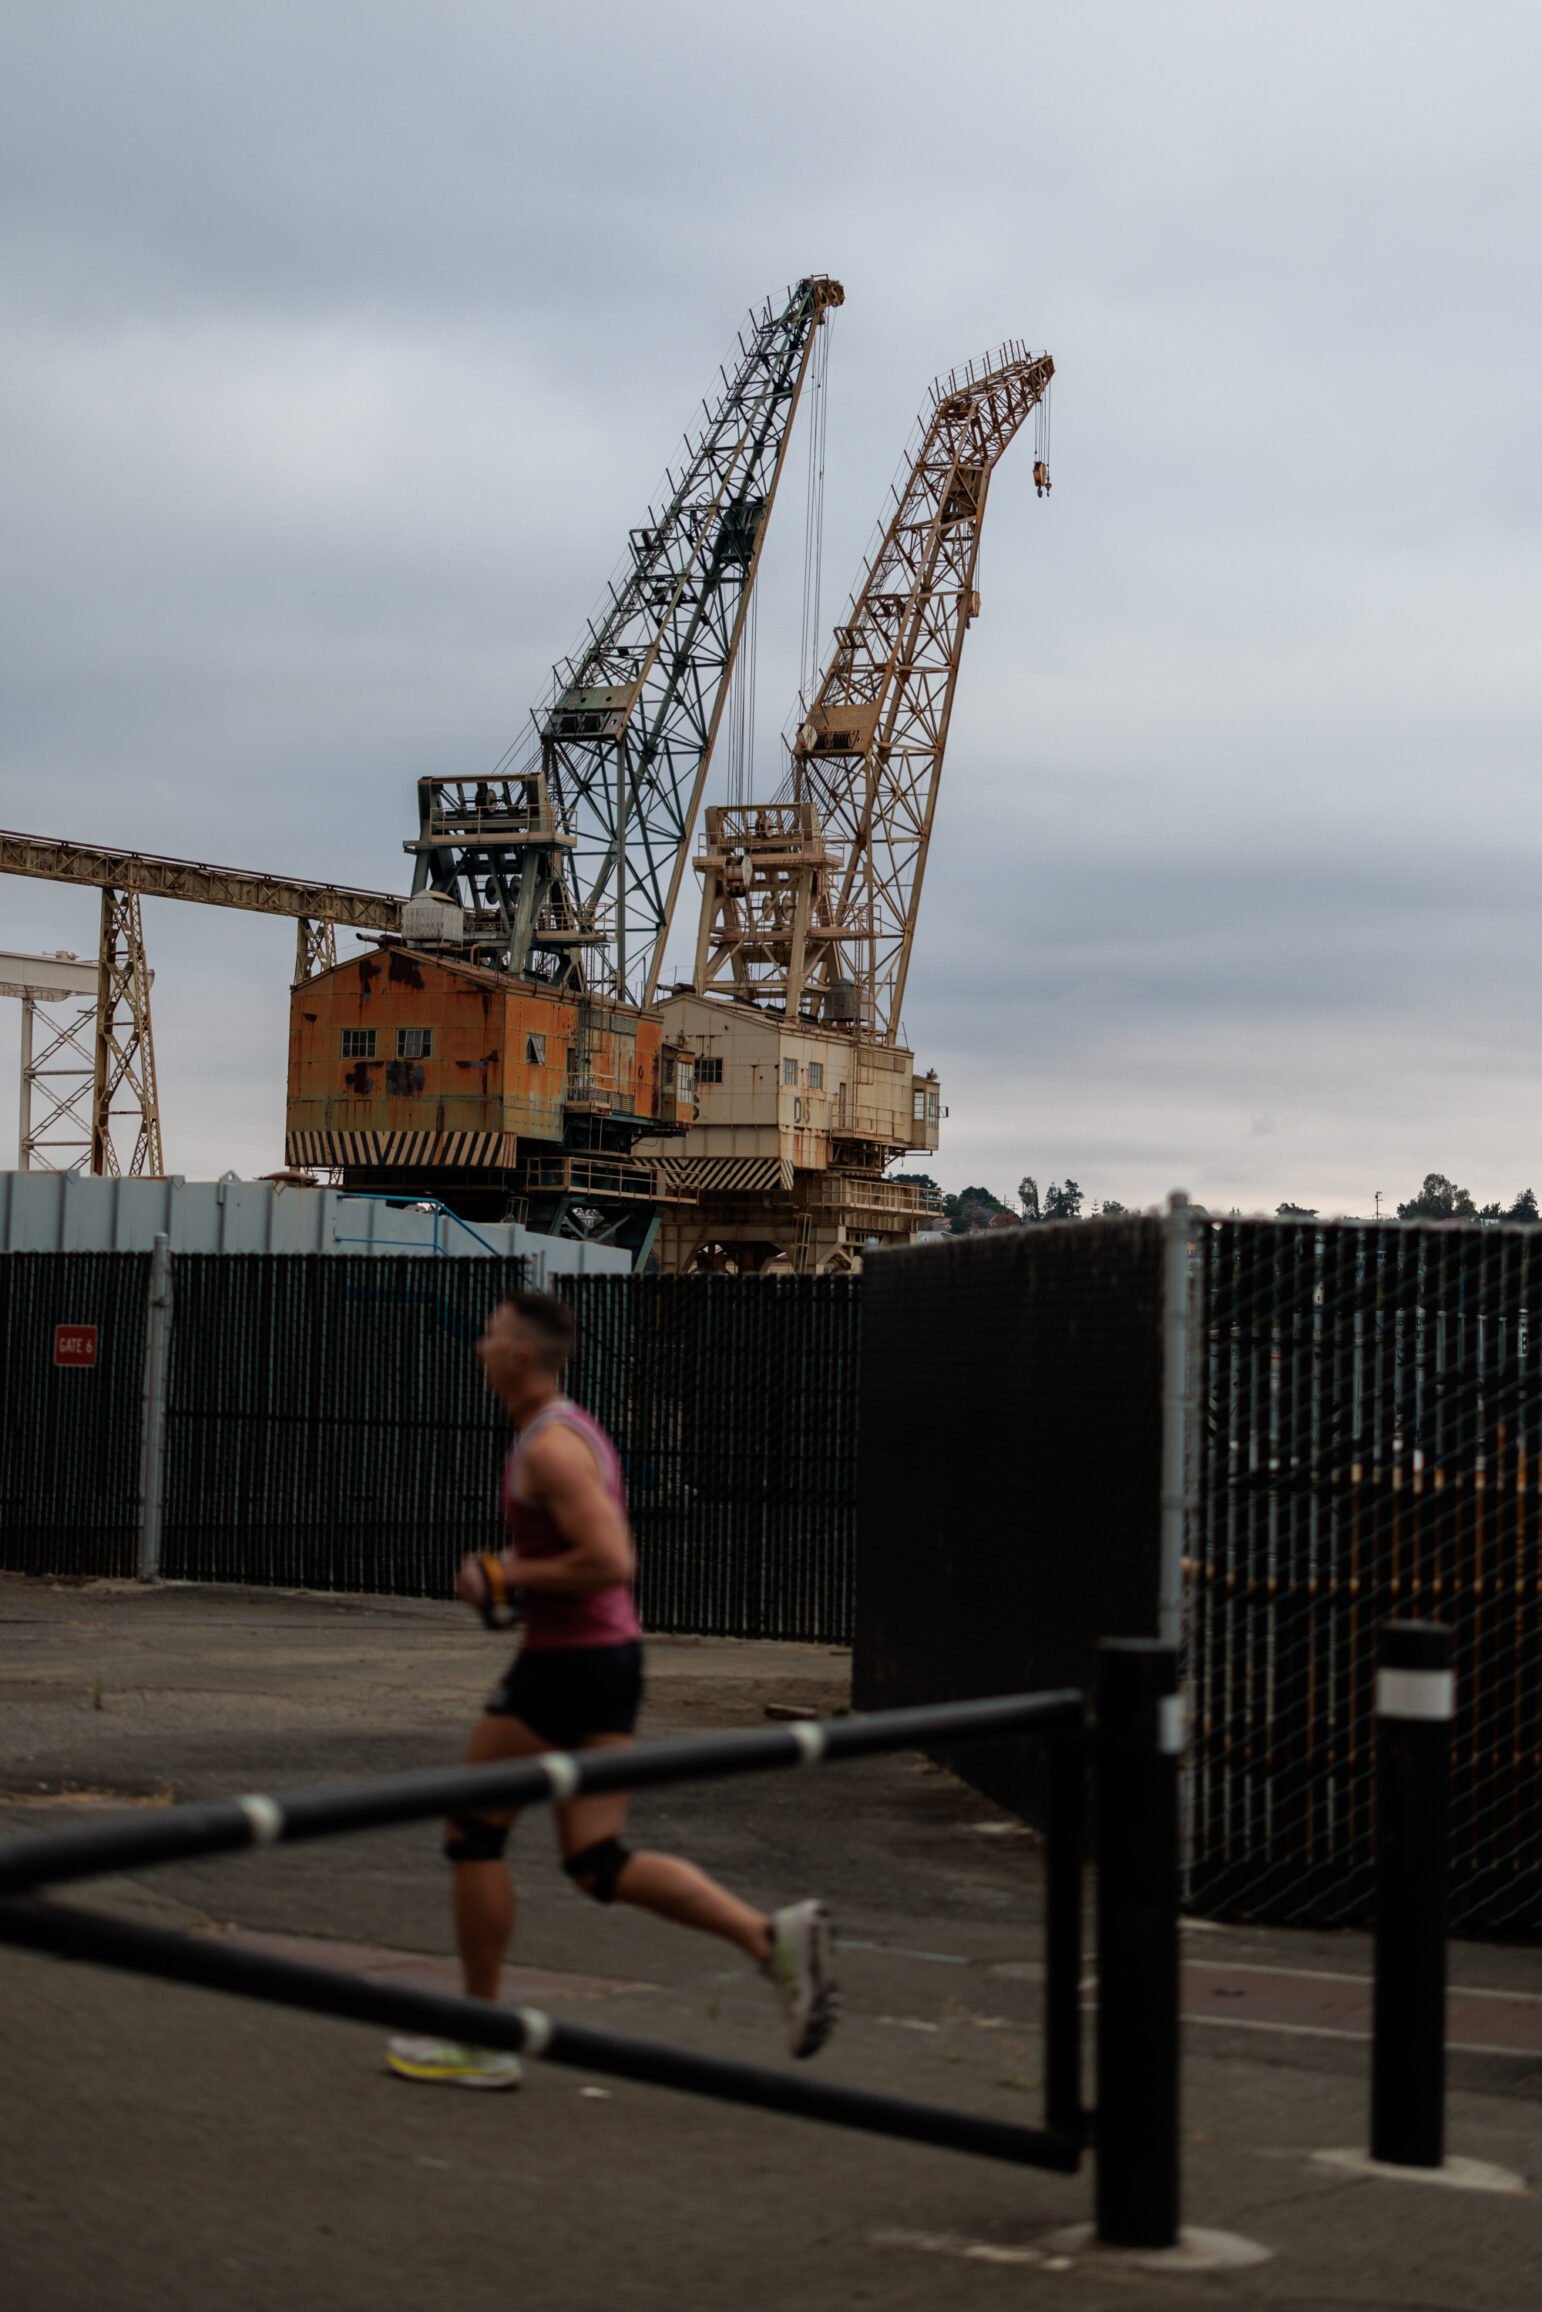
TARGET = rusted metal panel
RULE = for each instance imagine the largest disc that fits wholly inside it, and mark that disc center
(396, 1045)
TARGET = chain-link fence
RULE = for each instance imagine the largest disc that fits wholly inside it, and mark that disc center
(735, 1402)
(327, 1427)
(1364, 1439)
(1368, 1443)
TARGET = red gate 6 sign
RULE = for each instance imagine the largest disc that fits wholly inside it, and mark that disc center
(74, 1344)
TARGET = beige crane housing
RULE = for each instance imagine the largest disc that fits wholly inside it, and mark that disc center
(792, 1119)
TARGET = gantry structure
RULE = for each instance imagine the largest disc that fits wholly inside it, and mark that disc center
(552, 878)
(96, 1062)
(756, 1109)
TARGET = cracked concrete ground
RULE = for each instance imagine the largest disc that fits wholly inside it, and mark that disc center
(168, 2149)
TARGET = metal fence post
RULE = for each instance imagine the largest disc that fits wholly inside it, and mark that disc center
(1415, 1694)
(152, 1458)
(1139, 1737)
(1175, 1416)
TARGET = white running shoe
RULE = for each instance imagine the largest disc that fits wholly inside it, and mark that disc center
(447, 2061)
(802, 1974)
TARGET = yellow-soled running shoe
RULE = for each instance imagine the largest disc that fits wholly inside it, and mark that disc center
(448, 2063)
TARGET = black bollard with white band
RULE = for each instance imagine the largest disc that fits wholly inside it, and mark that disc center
(1415, 1702)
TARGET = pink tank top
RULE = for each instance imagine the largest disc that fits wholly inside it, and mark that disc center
(605, 1617)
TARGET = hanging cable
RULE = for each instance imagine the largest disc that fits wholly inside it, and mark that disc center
(814, 514)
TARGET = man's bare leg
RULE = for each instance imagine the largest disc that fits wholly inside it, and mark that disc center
(660, 1883)
(677, 1890)
(793, 1945)
(483, 1901)
(483, 1892)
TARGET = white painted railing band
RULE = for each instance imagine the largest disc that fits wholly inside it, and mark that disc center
(1415, 1693)
(563, 1773)
(266, 1817)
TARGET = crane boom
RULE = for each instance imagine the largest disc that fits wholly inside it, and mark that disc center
(628, 736)
(870, 748)
(152, 877)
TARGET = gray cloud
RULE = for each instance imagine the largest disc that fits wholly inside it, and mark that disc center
(343, 345)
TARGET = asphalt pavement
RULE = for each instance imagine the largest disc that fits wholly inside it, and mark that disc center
(173, 2149)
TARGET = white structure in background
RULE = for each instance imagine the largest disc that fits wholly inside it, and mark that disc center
(57, 1066)
(72, 1212)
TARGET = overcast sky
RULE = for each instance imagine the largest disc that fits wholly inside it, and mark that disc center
(343, 343)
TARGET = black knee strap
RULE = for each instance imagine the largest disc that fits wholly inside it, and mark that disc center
(597, 1869)
(470, 1839)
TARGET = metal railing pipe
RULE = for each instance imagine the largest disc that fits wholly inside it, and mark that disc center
(67, 1933)
(263, 1819)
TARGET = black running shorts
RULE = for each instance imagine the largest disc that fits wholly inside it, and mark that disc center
(567, 1693)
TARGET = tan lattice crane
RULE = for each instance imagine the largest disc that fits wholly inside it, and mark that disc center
(809, 902)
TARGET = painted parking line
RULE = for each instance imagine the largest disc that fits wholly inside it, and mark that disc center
(423, 1970)
(1318, 2003)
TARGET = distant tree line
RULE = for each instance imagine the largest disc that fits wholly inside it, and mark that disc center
(1439, 1199)
(974, 1209)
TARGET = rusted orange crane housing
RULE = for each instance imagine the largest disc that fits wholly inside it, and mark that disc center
(407, 1065)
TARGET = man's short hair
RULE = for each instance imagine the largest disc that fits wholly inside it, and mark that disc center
(549, 1321)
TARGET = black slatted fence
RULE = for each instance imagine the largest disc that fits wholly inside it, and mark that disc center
(1010, 1466)
(69, 1468)
(734, 1400)
(1364, 1441)
(327, 1425)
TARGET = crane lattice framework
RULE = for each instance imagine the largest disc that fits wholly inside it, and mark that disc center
(123, 1070)
(871, 744)
(628, 737)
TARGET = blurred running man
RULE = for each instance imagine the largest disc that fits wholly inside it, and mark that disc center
(576, 1684)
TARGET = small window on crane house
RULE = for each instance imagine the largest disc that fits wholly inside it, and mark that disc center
(932, 1115)
(789, 1071)
(535, 1051)
(414, 1043)
(918, 1107)
(709, 1071)
(358, 1043)
(816, 1075)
